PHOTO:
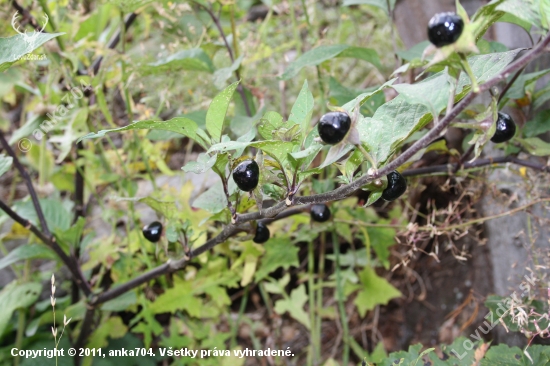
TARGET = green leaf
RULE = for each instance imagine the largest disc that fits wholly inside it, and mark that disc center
(295, 305)
(503, 355)
(279, 252)
(221, 75)
(167, 209)
(58, 216)
(320, 54)
(194, 59)
(129, 6)
(535, 146)
(539, 125)
(403, 358)
(13, 48)
(271, 121)
(213, 200)
(215, 116)
(527, 11)
(382, 4)
(517, 90)
(71, 237)
(120, 303)
(180, 297)
(381, 240)
(302, 110)
(204, 162)
(183, 126)
(432, 92)
(27, 251)
(5, 163)
(375, 291)
(15, 296)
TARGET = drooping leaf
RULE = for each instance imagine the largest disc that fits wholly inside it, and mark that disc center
(16, 296)
(194, 59)
(320, 54)
(5, 163)
(13, 48)
(215, 116)
(183, 126)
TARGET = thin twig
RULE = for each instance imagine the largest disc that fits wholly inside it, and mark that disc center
(28, 182)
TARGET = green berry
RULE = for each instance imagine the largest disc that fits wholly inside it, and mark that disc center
(333, 127)
(506, 128)
(444, 29)
(153, 231)
(320, 212)
(262, 234)
(397, 185)
(247, 175)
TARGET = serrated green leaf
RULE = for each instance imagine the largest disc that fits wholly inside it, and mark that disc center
(374, 291)
(279, 252)
(194, 59)
(15, 296)
(295, 305)
(13, 48)
(403, 358)
(215, 116)
(5, 163)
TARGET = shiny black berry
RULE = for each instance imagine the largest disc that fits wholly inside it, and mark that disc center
(506, 128)
(333, 127)
(320, 212)
(444, 29)
(153, 231)
(397, 185)
(246, 175)
(262, 234)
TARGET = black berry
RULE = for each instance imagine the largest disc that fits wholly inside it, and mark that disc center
(444, 29)
(153, 231)
(397, 185)
(506, 128)
(262, 234)
(246, 175)
(333, 127)
(320, 212)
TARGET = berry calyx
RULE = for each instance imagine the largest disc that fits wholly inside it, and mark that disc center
(246, 175)
(397, 185)
(506, 128)
(153, 231)
(262, 234)
(444, 29)
(333, 127)
(320, 212)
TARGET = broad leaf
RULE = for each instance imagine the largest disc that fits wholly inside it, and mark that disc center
(382, 4)
(27, 251)
(215, 116)
(183, 126)
(279, 252)
(194, 59)
(13, 48)
(374, 291)
(17, 296)
(271, 121)
(213, 200)
(204, 162)
(302, 110)
(320, 54)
